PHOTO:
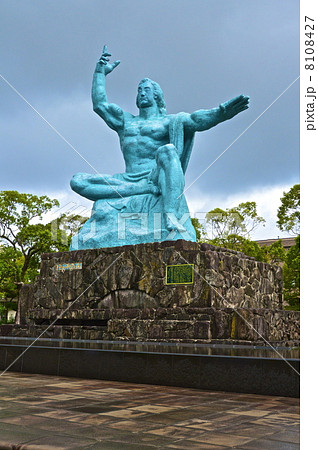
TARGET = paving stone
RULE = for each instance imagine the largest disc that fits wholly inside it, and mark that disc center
(267, 444)
(288, 436)
(216, 438)
(99, 414)
(57, 442)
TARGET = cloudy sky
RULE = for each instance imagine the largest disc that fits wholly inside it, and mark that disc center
(202, 53)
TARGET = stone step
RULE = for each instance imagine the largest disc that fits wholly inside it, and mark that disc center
(177, 324)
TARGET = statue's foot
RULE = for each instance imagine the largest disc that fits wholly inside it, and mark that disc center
(153, 189)
(146, 187)
(174, 225)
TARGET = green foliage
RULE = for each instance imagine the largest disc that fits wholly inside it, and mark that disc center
(240, 244)
(288, 213)
(231, 228)
(18, 209)
(11, 263)
(3, 313)
(274, 253)
(291, 276)
(240, 220)
(23, 237)
(199, 229)
(64, 228)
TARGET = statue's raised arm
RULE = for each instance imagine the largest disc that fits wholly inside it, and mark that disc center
(205, 119)
(109, 112)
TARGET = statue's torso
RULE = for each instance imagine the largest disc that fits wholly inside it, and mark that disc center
(140, 140)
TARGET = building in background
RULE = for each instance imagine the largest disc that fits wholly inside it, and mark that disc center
(286, 242)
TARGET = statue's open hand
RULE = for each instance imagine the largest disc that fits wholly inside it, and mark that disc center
(103, 64)
(234, 106)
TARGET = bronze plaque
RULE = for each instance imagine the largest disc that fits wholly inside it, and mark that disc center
(180, 274)
(68, 266)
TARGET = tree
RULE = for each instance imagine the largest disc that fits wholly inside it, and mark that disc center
(291, 276)
(244, 245)
(11, 263)
(199, 229)
(288, 213)
(23, 237)
(231, 229)
(274, 253)
(17, 210)
(240, 220)
(288, 216)
(64, 228)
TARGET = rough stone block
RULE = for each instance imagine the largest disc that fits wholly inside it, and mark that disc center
(121, 293)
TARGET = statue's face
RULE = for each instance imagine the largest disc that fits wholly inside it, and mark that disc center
(145, 95)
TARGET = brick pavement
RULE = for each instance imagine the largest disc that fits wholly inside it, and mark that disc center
(44, 412)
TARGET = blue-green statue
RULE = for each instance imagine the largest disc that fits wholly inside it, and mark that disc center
(146, 203)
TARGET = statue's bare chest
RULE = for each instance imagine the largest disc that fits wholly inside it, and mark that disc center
(154, 128)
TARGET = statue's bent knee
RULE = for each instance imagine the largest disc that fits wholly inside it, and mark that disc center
(167, 153)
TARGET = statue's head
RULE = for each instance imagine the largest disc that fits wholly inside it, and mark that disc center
(157, 94)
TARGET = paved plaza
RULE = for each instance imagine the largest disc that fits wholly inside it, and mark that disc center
(45, 412)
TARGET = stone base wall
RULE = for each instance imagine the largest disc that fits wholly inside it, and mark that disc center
(121, 294)
(134, 277)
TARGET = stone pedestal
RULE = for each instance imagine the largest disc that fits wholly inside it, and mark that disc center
(121, 293)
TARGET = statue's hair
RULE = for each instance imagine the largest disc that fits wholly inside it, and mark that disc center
(158, 95)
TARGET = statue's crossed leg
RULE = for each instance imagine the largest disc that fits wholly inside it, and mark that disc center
(166, 179)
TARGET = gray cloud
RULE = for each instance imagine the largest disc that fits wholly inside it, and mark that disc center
(201, 52)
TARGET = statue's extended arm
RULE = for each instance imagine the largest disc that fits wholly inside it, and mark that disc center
(205, 119)
(112, 114)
